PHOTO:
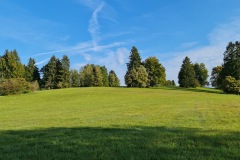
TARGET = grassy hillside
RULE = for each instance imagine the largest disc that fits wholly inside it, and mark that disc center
(120, 123)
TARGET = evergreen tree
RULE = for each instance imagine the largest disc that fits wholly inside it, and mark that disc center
(31, 71)
(58, 81)
(132, 77)
(11, 66)
(173, 83)
(215, 76)
(49, 73)
(134, 59)
(156, 72)
(66, 71)
(98, 79)
(186, 76)
(113, 79)
(3, 68)
(231, 62)
(201, 74)
(105, 80)
(75, 78)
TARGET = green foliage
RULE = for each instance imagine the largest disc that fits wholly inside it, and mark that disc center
(156, 72)
(134, 59)
(66, 72)
(52, 74)
(31, 71)
(231, 62)
(105, 80)
(231, 85)
(142, 76)
(201, 74)
(75, 78)
(98, 79)
(113, 79)
(11, 66)
(137, 77)
(215, 76)
(14, 86)
(86, 76)
(95, 76)
(170, 83)
(186, 76)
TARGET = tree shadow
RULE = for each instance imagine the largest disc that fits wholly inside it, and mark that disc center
(119, 143)
(203, 90)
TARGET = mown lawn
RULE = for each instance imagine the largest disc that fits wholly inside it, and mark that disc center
(120, 123)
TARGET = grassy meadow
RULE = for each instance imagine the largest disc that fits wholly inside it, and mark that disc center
(120, 123)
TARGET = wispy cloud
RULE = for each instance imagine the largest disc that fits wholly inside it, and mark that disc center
(92, 4)
(188, 45)
(94, 25)
(43, 61)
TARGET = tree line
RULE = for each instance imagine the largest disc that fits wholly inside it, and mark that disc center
(16, 77)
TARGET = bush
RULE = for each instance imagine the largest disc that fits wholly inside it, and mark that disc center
(14, 86)
(34, 86)
(231, 85)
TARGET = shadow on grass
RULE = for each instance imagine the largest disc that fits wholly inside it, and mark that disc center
(204, 90)
(119, 143)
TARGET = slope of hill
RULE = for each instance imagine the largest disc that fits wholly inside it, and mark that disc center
(120, 123)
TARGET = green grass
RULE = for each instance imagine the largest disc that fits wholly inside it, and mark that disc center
(120, 123)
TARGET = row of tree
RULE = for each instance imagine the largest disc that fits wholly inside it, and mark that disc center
(94, 75)
(57, 74)
(54, 75)
(148, 73)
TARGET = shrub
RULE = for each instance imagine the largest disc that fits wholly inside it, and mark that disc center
(231, 85)
(14, 86)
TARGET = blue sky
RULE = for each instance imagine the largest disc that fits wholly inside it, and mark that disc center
(103, 32)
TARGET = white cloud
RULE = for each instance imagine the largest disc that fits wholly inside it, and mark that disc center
(87, 57)
(211, 55)
(116, 60)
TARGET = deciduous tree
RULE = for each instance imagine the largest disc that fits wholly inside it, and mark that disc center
(156, 72)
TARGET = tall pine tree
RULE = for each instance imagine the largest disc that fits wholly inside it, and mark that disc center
(31, 71)
(66, 71)
(135, 74)
(186, 76)
(49, 74)
(11, 65)
(231, 62)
